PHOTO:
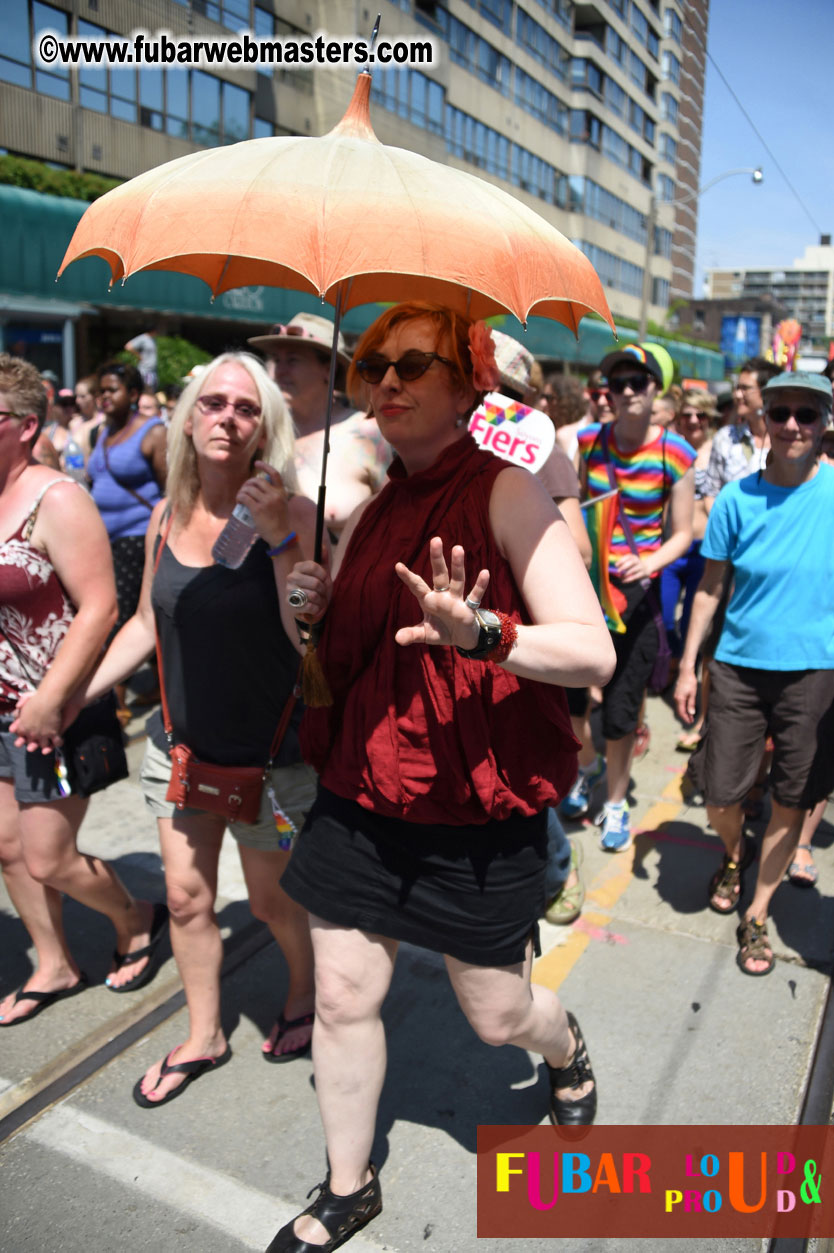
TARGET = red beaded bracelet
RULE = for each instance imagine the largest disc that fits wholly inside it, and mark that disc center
(509, 635)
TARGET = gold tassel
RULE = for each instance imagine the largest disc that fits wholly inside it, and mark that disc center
(314, 688)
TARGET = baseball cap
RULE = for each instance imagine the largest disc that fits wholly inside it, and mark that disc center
(799, 380)
(633, 354)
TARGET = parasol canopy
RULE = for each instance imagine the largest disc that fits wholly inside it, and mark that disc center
(341, 214)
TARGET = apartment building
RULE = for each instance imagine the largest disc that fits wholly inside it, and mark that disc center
(805, 290)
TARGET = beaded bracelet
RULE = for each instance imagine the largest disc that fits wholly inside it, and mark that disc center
(285, 543)
(509, 635)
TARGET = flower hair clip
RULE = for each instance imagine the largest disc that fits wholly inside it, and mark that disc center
(485, 377)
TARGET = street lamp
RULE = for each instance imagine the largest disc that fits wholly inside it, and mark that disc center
(756, 175)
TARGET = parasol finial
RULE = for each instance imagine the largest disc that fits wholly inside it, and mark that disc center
(357, 119)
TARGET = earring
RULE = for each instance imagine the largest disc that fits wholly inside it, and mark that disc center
(459, 421)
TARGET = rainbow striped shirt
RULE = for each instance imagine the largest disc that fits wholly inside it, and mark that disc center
(645, 477)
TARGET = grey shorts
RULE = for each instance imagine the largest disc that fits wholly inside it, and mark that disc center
(747, 705)
(294, 787)
(34, 776)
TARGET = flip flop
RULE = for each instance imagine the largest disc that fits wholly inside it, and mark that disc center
(803, 876)
(284, 1025)
(192, 1070)
(159, 925)
(44, 999)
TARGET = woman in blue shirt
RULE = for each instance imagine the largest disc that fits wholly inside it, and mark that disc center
(773, 672)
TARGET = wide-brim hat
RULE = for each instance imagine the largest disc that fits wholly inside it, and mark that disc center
(633, 354)
(304, 328)
(514, 363)
(799, 380)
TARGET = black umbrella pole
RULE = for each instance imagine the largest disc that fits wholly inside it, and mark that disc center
(334, 360)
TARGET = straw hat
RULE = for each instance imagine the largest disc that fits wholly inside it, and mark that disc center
(307, 328)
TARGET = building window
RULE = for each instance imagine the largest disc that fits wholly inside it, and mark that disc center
(665, 188)
(662, 242)
(264, 23)
(539, 102)
(616, 47)
(614, 271)
(668, 148)
(261, 129)
(671, 68)
(672, 28)
(660, 292)
(539, 44)
(413, 96)
(56, 83)
(469, 50)
(105, 90)
(586, 75)
(499, 12)
(615, 97)
(562, 10)
(668, 108)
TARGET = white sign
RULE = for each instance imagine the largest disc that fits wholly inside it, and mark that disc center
(513, 431)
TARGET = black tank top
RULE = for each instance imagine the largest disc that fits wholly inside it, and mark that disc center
(228, 665)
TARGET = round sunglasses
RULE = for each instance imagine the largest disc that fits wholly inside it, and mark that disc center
(411, 365)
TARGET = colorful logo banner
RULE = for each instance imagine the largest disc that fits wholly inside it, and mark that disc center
(721, 1182)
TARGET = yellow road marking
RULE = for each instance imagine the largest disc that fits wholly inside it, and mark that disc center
(553, 967)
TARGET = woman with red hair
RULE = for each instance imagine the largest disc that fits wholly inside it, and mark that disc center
(447, 740)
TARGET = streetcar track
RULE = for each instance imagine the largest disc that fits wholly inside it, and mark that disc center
(239, 948)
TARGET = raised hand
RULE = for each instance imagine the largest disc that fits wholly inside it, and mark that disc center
(448, 618)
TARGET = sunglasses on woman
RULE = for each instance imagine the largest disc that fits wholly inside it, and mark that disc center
(219, 404)
(637, 383)
(411, 365)
(805, 415)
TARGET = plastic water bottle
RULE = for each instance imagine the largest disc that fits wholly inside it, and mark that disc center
(232, 545)
(72, 460)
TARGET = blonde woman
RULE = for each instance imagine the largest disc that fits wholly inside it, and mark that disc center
(228, 669)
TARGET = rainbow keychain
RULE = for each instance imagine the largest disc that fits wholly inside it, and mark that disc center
(283, 825)
(61, 774)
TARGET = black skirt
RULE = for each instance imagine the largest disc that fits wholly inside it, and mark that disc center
(474, 892)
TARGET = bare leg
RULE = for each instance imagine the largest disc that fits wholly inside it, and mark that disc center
(290, 925)
(780, 840)
(190, 852)
(48, 838)
(581, 728)
(39, 909)
(353, 974)
(618, 754)
(803, 857)
(504, 1007)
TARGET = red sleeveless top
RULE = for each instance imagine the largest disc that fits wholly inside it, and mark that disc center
(421, 733)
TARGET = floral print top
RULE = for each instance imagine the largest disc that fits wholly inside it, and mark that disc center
(35, 613)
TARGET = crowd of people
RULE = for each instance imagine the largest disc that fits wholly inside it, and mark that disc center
(424, 799)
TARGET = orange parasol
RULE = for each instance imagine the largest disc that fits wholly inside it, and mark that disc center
(341, 213)
(346, 218)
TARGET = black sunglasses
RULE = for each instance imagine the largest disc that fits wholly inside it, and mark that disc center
(637, 383)
(411, 365)
(805, 415)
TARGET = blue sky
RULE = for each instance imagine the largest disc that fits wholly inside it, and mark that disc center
(779, 59)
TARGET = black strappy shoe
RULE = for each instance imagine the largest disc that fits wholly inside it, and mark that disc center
(580, 1112)
(341, 1217)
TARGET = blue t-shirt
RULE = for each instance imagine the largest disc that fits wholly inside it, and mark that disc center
(779, 543)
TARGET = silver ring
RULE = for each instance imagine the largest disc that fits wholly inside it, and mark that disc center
(298, 598)
(472, 604)
(442, 589)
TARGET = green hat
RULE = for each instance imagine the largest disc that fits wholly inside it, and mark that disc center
(800, 380)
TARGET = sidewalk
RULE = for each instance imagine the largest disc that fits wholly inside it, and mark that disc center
(676, 1032)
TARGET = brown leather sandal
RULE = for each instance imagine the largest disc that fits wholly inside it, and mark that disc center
(728, 881)
(753, 945)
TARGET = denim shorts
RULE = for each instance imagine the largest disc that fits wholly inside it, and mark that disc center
(35, 780)
(294, 787)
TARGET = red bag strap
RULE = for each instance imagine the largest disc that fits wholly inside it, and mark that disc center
(287, 712)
